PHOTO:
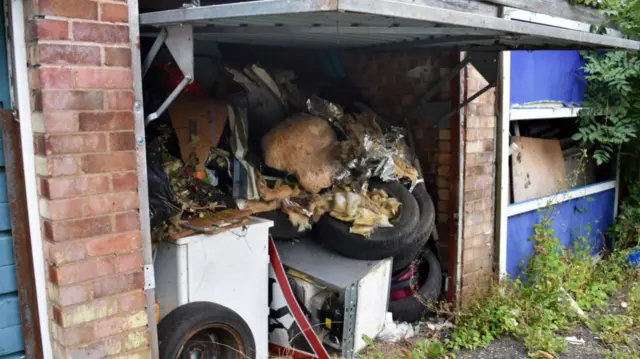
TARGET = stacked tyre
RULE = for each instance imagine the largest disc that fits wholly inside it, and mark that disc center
(383, 242)
(411, 242)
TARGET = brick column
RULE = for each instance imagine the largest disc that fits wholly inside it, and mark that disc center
(479, 179)
(82, 100)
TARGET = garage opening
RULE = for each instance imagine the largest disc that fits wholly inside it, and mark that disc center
(348, 133)
(196, 133)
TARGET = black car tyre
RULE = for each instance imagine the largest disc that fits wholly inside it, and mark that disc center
(383, 242)
(424, 230)
(413, 308)
(205, 330)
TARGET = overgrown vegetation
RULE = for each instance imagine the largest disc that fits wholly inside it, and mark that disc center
(538, 306)
(560, 288)
(611, 118)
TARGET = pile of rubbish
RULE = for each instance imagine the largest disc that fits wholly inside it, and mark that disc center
(270, 147)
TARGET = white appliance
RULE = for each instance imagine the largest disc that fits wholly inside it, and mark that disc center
(230, 268)
(363, 286)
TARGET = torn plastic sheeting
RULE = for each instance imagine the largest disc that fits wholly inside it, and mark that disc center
(162, 202)
(325, 109)
(392, 331)
(263, 107)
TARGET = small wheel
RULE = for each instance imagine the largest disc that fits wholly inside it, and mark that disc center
(203, 330)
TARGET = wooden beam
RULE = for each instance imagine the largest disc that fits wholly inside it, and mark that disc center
(16, 194)
(559, 8)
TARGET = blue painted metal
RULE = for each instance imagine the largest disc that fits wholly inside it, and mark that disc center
(1, 148)
(588, 216)
(546, 76)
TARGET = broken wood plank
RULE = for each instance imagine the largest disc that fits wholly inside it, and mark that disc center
(213, 223)
(538, 168)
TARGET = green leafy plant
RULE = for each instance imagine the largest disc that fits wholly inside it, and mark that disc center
(612, 113)
(536, 307)
(611, 118)
(626, 230)
(431, 349)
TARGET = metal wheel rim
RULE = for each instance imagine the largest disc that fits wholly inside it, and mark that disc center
(213, 341)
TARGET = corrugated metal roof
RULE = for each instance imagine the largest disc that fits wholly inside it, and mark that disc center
(363, 23)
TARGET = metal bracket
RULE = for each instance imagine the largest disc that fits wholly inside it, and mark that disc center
(149, 277)
(437, 87)
(349, 325)
(153, 52)
(179, 41)
(467, 101)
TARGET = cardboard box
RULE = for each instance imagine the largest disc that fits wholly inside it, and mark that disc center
(198, 122)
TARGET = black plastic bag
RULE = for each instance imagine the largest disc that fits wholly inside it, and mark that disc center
(162, 204)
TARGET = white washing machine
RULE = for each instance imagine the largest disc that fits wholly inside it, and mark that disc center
(230, 268)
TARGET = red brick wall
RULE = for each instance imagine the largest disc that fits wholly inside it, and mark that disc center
(383, 80)
(479, 180)
(82, 101)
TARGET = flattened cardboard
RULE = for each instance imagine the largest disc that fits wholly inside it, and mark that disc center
(538, 168)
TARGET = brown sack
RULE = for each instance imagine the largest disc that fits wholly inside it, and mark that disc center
(303, 145)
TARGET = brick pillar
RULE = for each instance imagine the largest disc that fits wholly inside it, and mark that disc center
(81, 81)
(479, 191)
